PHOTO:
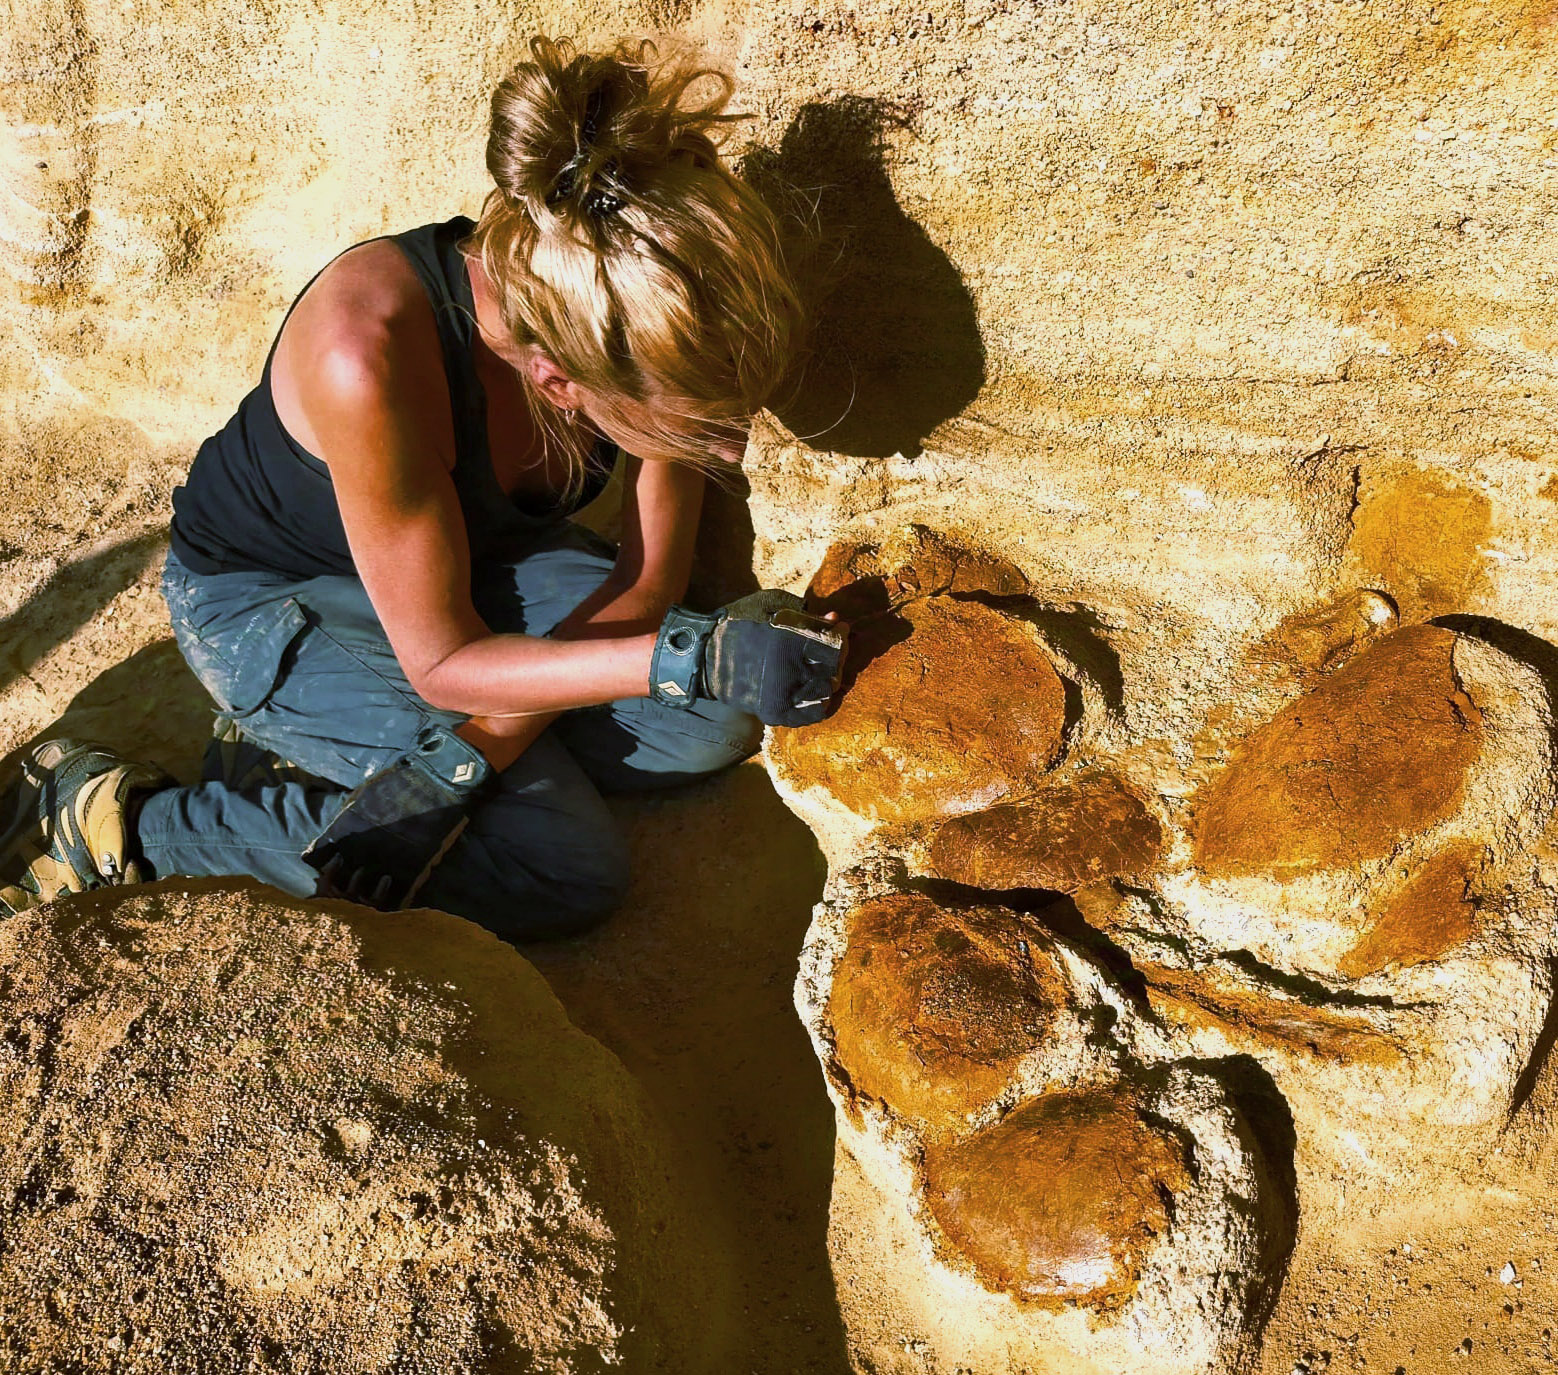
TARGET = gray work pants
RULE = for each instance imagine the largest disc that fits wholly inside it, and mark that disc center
(304, 670)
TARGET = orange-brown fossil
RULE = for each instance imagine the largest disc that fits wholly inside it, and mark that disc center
(933, 1008)
(1318, 639)
(950, 707)
(1423, 535)
(1057, 1202)
(1431, 914)
(1378, 751)
(1086, 831)
(1202, 998)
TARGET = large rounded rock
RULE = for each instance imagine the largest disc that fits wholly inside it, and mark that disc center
(1378, 751)
(952, 707)
(933, 1009)
(233, 1126)
(1063, 838)
(1369, 917)
(1058, 1202)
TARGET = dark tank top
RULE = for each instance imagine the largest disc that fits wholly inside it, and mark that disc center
(255, 499)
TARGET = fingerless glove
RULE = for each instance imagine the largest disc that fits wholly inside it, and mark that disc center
(763, 654)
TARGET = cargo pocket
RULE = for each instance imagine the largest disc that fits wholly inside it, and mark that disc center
(242, 662)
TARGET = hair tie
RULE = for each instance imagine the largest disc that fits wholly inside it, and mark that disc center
(599, 201)
(602, 201)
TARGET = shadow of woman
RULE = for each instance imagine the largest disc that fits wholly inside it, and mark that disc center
(149, 706)
(691, 986)
(69, 599)
(895, 347)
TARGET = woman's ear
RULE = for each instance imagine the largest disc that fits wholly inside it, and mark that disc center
(554, 384)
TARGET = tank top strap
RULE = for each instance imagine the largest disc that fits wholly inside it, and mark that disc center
(434, 254)
(492, 518)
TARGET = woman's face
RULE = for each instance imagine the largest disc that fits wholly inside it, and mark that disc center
(639, 428)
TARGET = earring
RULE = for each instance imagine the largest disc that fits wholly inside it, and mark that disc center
(569, 415)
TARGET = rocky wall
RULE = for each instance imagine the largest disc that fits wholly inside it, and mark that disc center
(1095, 1024)
(1178, 433)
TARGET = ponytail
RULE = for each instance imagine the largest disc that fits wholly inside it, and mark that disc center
(618, 242)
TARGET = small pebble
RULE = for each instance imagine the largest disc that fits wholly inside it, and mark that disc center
(1507, 1274)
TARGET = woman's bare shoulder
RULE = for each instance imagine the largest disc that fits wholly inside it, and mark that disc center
(364, 321)
(368, 290)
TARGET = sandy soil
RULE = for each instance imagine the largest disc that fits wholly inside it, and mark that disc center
(1416, 1285)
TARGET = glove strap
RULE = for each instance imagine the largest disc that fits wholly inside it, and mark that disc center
(675, 678)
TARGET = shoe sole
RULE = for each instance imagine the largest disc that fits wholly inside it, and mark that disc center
(24, 843)
(27, 783)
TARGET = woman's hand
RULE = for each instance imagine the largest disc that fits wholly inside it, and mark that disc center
(764, 654)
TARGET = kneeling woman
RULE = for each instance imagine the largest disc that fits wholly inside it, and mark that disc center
(426, 673)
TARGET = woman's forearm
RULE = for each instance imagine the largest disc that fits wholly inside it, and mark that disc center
(618, 609)
(502, 739)
(519, 675)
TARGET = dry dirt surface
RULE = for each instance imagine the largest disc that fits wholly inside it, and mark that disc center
(246, 1134)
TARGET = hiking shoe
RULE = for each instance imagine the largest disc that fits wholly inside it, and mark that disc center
(68, 830)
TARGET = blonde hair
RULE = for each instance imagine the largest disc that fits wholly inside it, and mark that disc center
(618, 242)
